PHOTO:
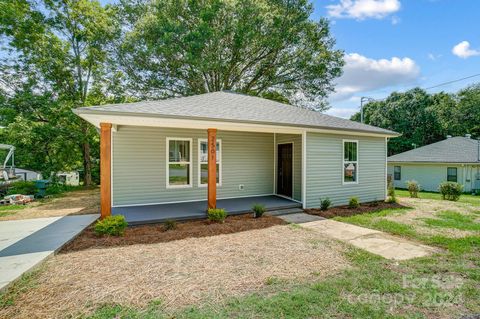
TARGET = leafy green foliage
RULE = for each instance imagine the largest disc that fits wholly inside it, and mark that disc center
(111, 225)
(450, 190)
(353, 202)
(413, 188)
(424, 118)
(216, 215)
(258, 47)
(258, 210)
(325, 203)
(22, 187)
(170, 224)
(392, 197)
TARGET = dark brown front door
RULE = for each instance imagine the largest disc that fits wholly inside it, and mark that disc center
(285, 169)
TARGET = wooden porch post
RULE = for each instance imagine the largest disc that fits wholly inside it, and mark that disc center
(105, 169)
(212, 167)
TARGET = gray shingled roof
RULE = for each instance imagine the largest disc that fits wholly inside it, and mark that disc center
(235, 107)
(451, 150)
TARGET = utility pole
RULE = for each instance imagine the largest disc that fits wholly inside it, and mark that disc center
(362, 100)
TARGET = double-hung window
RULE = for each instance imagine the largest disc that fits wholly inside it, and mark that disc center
(203, 162)
(397, 173)
(179, 162)
(350, 162)
(452, 174)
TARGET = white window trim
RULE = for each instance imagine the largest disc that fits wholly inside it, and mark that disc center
(167, 157)
(219, 160)
(356, 162)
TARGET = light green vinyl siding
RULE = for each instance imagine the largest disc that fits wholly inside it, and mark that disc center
(139, 165)
(429, 176)
(297, 161)
(324, 174)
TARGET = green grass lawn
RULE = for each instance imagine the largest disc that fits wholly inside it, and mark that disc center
(465, 198)
(10, 209)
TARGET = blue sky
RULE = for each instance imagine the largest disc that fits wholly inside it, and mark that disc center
(395, 45)
(416, 39)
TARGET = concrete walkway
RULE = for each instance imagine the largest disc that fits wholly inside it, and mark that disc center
(373, 241)
(26, 243)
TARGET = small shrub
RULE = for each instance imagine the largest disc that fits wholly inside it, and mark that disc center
(450, 190)
(392, 198)
(413, 188)
(353, 202)
(170, 224)
(325, 204)
(111, 225)
(216, 215)
(22, 187)
(258, 210)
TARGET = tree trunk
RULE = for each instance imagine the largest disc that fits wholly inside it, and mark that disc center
(87, 164)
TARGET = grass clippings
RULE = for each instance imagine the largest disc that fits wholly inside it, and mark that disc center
(179, 273)
(345, 211)
(157, 233)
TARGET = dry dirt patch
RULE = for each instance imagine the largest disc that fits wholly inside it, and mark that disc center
(85, 201)
(179, 273)
(428, 208)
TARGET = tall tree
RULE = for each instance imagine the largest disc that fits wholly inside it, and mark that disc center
(59, 50)
(413, 114)
(267, 48)
(468, 112)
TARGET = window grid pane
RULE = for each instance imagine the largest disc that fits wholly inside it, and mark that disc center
(179, 174)
(204, 152)
(179, 151)
(452, 174)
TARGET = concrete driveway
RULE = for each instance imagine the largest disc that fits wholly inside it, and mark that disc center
(24, 244)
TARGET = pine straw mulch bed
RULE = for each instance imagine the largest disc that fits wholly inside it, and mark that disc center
(192, 271)
(345, 211)
(156, 233)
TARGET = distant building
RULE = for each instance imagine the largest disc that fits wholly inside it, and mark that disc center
(455, 159)
(27, 175)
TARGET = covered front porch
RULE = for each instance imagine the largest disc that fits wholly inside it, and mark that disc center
(152, 174)
(136, 215)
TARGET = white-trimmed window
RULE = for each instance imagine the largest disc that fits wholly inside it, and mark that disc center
(203, 162)
(350, 162)
(179, 162)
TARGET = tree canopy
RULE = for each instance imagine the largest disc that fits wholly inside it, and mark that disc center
(61, 54)
(424, 118)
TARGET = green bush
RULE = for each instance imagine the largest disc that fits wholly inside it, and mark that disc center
(111, 225)
(353, 202)
(325, 203)
(216, 215)
(450, 190)
(392, 198)
(22, 187)
(258, 210)
(170, 224)
(413, 188)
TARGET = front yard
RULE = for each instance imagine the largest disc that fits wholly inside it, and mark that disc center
(276, 272)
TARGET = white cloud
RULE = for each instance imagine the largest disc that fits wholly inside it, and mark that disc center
(362, 74)
(363, 9)
(464, 51)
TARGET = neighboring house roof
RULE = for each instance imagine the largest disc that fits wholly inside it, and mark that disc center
(451, 150)
(234, 107)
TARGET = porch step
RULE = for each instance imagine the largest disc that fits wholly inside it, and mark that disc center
(286, 211)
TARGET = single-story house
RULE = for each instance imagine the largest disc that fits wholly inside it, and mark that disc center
(455, 159)
(174, 158)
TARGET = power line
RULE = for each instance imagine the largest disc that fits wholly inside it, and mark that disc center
(453, 81)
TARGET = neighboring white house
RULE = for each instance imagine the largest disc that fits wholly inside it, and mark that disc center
(455, 159)
(69, 178)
